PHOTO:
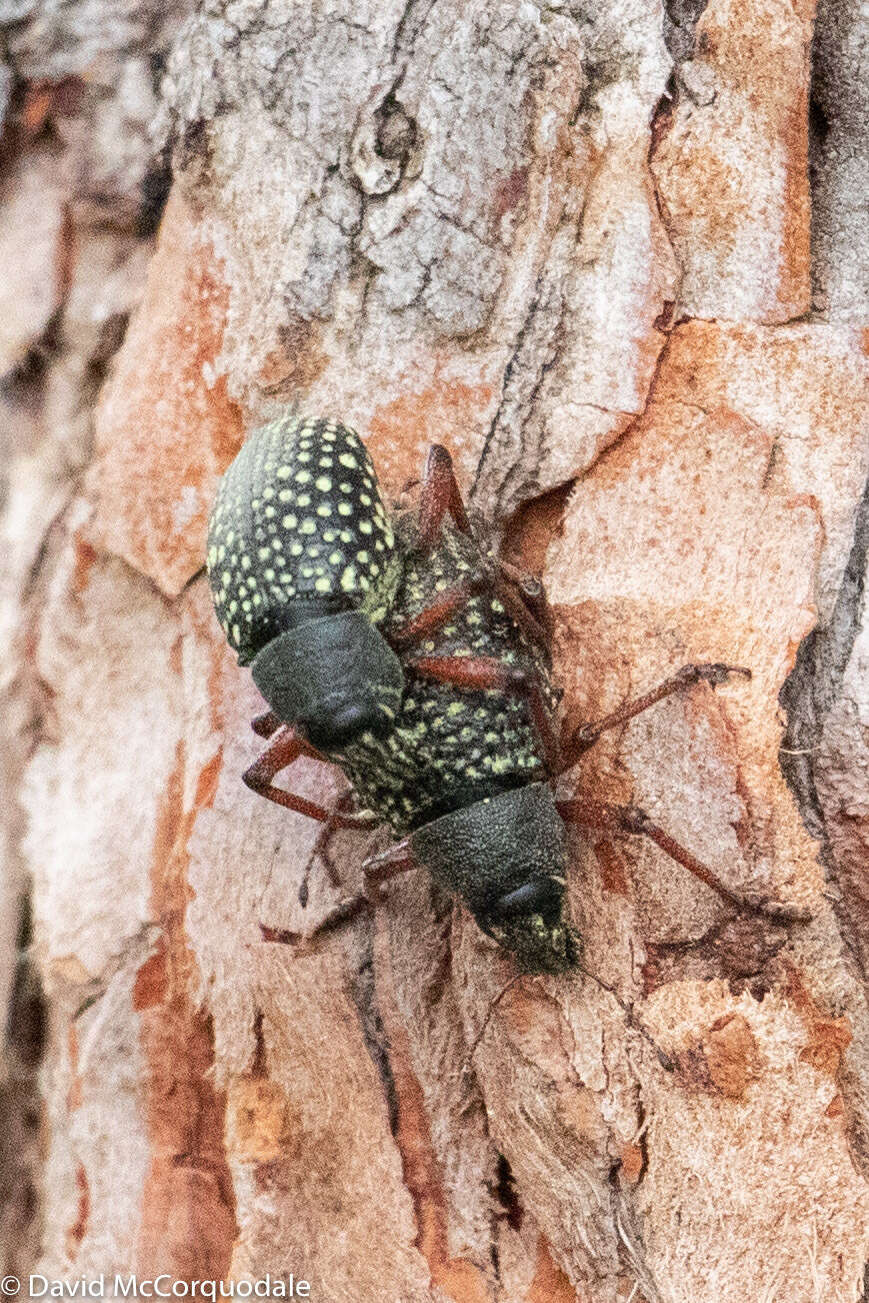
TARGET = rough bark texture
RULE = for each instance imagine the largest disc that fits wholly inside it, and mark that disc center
(614, 257)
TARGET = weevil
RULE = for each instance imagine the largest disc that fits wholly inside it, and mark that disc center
(397, 646)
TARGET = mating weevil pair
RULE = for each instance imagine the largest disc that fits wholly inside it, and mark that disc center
(395, 646)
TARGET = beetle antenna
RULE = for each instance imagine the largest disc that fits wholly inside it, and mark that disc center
(491, 1009)
(627, 1009)
(633, 1021)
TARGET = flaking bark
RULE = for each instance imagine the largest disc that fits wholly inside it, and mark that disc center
(582, 246)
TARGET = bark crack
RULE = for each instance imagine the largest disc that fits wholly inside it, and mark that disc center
(814, 684)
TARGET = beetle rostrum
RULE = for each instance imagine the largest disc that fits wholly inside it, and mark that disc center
(396, 646)
(507, 857)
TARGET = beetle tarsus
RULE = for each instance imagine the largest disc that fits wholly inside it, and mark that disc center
(714, 673)
(378, 870)
(630, 819)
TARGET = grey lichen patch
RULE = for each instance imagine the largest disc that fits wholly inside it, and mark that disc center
(445, 237)
(418, 179)
(623, 46)
(101, 61)
(814, 685)
(63, 39)
(412, 161)
(680, 20)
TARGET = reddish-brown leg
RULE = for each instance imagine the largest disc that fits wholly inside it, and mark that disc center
(628, 819)
(448, 604)
(587, 734)
(285, 747)
(484, 672)
(378, 870)
(390, 863)
(532, 595)
(323, 849)
(265, 724)
(512, 599)
(440, 494)
(433, 617)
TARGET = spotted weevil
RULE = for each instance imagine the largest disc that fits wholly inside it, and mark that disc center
(395, 645)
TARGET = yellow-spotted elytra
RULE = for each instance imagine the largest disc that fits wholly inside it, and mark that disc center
(396, 645)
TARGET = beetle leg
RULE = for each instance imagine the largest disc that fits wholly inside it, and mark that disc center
(383, 865)
(322, 849)
(515, 601)
(378, 869)
(449, 603)
(485, 672)
(265, 724)
(440, 494)
(587, 734)
(433, 617)
(285, 747)
(635, 822)
(532, 594)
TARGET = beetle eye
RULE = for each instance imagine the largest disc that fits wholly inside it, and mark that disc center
(539, 896)
(334, 732)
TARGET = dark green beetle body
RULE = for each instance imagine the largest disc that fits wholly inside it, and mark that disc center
(448, 748)
(312, 580)
(303, 565)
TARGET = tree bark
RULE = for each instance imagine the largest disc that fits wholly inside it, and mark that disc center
(614, 258)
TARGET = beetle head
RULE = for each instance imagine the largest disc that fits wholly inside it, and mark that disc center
(335, 675)
(506, 856)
